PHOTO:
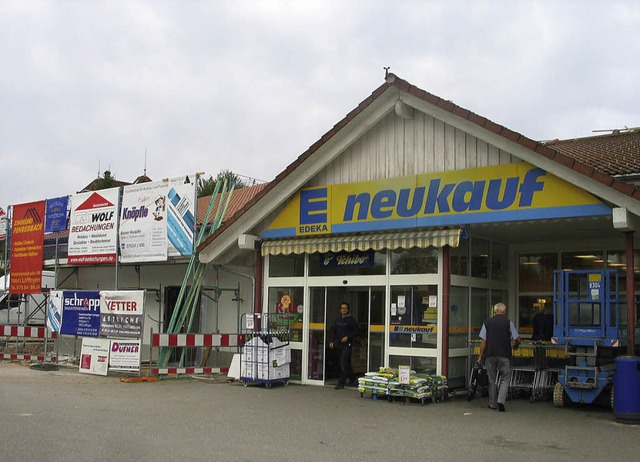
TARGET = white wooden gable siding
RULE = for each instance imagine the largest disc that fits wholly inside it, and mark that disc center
(400, 147)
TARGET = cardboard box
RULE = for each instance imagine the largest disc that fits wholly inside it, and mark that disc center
(268, 372)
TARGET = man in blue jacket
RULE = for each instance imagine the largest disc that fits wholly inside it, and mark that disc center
(495, 349)
(345, 331)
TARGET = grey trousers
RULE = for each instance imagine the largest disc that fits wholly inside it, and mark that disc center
(498, 392)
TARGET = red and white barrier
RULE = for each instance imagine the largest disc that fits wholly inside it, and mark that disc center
(198, 340)
(20, 357)
(195, 340)
(189, 370)
(26, 331)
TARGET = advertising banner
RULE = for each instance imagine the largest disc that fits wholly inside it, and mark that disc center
(80, 313)
(54, 311)
(181, 212)
(143, 222)
(56, 216)
(92, 235)
(125, 355)
(3, 225)
(94, 356)
(27, 238)
(121, 313)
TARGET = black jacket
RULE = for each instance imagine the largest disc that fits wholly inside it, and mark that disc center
(346, 326)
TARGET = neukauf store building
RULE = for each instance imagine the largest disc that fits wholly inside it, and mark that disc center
(422, 215)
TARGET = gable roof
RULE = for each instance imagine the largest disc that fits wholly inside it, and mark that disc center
(614, 154)
(556, 161)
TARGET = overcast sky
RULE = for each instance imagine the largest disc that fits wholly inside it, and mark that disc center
(87, 86)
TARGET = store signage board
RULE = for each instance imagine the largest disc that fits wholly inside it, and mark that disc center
(510, 192)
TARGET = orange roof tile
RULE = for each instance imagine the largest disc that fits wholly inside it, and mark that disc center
(614, 154)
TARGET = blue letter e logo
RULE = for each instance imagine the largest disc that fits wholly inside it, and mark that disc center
(313, 206)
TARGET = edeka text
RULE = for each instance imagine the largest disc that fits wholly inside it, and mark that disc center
(435, 198)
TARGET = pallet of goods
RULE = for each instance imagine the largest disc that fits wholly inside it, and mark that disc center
(420, 387)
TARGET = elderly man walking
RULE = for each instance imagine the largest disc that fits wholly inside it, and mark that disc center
(497, 333)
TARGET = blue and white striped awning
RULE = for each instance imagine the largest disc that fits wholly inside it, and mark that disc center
(391, 241)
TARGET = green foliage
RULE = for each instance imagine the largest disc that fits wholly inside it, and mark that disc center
(106, 181)
(206, 187)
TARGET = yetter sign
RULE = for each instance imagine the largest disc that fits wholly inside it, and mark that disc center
(121, 313)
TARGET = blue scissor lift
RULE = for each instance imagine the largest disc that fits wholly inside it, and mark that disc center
(589, 320)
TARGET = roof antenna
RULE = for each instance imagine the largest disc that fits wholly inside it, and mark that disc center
(386, 71)
(145, 161)
(98, 168)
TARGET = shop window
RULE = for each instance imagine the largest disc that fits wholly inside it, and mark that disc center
(414, 261)
(479, 258)
(459, 258)
(283, 266)
(499, 257)
(417, 364)
(288, 302)
(480, 311)
(364, 263)
(535, 272)
(582, 260)
(458, 369)
(498, 296)
(618, 259)
(528, 307)
(413, 316)
(458, 317)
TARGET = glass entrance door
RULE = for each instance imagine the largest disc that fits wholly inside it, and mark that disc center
(367, 307)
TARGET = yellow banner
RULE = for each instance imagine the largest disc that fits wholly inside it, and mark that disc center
(509, 192)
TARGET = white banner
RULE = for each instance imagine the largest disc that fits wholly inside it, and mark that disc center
(125, 355)
(3, 224)
(143, 222)
(54, 311)
(92, 233)
(94, 356)
(121, 313)
(181, 213)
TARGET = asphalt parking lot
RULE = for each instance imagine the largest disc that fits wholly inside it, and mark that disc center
(59, 415)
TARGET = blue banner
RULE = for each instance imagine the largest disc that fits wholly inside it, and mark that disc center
(80, 313)
(56, 214)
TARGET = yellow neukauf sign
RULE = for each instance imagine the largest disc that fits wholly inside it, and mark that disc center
(482, 195)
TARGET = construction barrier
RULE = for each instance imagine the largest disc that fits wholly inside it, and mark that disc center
(24, 333)
(195, 340)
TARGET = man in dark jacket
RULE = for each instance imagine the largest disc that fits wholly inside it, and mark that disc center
(495, 349)
(345, 331)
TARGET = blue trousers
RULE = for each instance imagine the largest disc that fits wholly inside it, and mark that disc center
(346, 372)
(498, 391)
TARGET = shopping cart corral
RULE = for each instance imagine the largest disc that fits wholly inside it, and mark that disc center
(266, 355)
(534, 370)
